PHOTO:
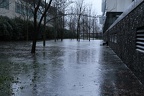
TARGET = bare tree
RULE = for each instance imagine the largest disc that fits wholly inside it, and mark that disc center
(84, 26)
(94, 27)
(25, 14)
(54, 12)
(80, 8)
(89, 22)
(44, 33)
(37, 22)
(65, 4)
(59, 16)
(84, 20)
(72, 22)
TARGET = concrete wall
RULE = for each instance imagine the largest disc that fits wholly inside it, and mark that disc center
(122, 38)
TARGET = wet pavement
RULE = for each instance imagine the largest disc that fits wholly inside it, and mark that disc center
(67, 68)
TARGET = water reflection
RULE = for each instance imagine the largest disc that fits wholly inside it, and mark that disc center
(54, 70)
(67, 68)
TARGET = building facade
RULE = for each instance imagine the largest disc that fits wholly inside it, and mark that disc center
(14, 8)
(23, 10)
(126, 37)
(112, 9)
(115, 5)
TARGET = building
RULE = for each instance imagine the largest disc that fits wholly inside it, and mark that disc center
(126, 38)
(7, 8)
(115, 5)
(23, 10)
(111, 10)
(15, 8)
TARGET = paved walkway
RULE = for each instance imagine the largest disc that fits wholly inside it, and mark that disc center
(67, 68)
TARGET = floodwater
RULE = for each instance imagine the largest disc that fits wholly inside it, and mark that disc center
(67, 68)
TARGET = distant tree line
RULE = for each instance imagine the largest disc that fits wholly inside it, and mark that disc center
(16, 29)
(60, 14)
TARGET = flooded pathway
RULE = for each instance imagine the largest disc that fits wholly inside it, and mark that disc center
(67, 68)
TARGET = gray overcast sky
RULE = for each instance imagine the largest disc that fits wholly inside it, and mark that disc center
(96, 5)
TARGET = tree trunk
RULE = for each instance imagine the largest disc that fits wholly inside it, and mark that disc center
(33, 46)
(93, 28)
(44, 33)
(62, 33)
(83, 29)
(27, 33)
(37, 25)
(89, 34)
(78, 29)
(33, 50)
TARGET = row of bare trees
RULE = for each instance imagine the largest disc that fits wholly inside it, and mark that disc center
(80, 14)
(83, 20)
(59, 8)
(71, 14)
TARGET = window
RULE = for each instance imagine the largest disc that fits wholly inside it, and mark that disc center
(115, 38)
(4, 4)
(140, 39)
(19, 8)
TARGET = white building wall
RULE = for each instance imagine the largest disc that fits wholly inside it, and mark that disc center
(9, 12)
(115, 5)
